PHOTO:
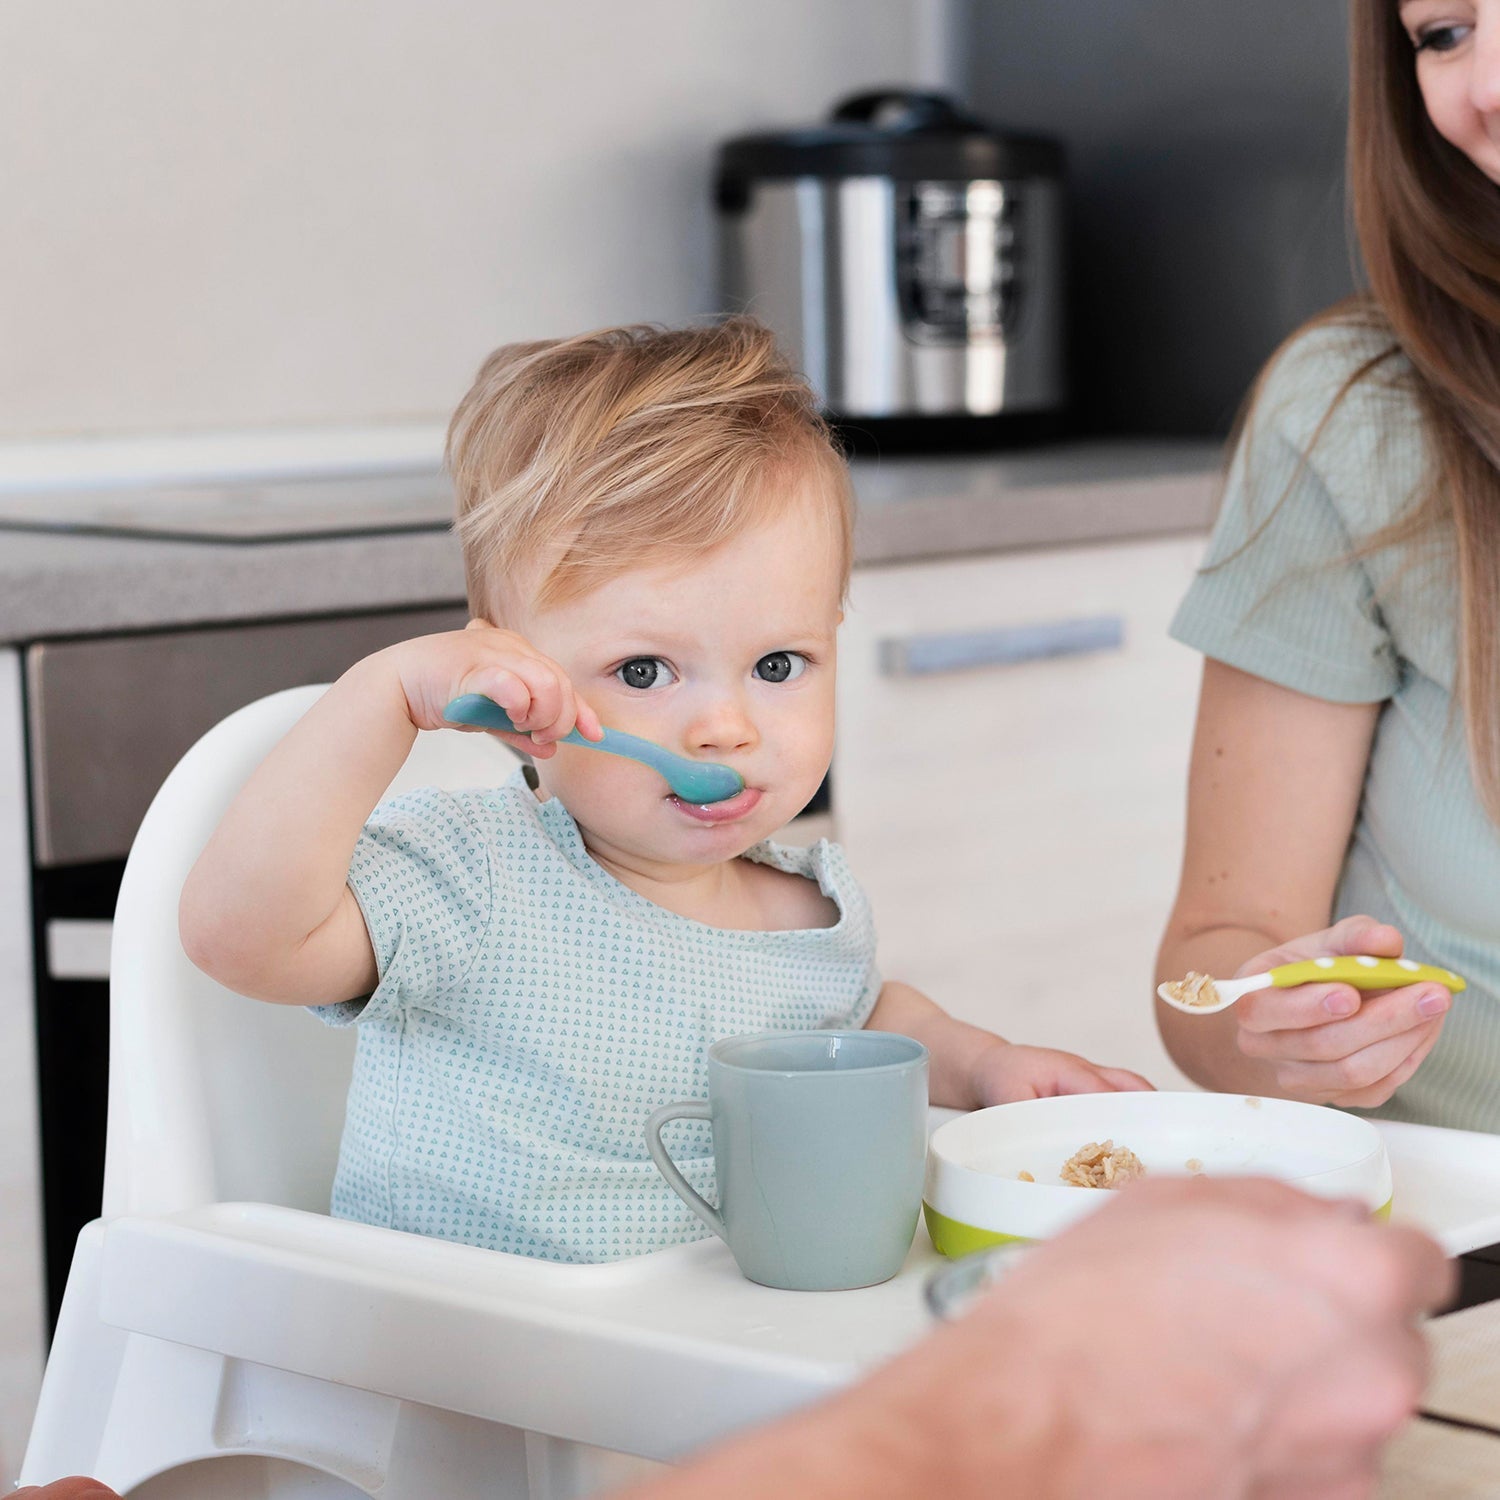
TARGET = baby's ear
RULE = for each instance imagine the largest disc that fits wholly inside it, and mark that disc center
(476, 623)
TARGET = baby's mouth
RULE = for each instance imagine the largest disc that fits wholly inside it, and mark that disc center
(726, 811)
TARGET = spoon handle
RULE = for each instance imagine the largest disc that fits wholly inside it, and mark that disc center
(1364, 973)
(484, 713)
(476, 709)
(693, 781)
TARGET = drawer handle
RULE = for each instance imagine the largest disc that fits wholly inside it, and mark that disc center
(1007, 646)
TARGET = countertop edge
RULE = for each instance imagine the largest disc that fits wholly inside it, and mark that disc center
(56, 585)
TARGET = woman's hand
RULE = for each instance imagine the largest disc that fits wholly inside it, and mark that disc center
(433, 670)
(1328, 1043)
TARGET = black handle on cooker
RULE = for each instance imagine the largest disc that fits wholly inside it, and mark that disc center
(920, 110)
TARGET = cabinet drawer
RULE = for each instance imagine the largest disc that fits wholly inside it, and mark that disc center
(109, 718)
(1015, 805)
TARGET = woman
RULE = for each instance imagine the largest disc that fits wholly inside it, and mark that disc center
(1347, 755)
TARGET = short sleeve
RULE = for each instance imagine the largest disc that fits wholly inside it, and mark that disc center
(421, 875)
(1282, 594)
(857, 905)
(837, 880)
(869, 995)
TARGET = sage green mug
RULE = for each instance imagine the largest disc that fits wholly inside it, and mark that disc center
(819, 1143)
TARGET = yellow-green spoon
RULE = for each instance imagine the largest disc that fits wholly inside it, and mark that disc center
(1200, 996)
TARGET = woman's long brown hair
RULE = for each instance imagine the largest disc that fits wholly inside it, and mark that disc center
(1428, 223)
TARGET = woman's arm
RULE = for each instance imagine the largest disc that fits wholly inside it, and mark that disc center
(1273, 791)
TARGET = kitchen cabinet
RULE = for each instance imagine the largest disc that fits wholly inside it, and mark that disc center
(22, 1316)
(1009, 783)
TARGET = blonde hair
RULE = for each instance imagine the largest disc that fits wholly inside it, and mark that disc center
(593, 455)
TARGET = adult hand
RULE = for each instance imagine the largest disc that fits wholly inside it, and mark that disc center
(1197, 1340)
(1210, 1338)
(76, 1488)
(1327, 1043)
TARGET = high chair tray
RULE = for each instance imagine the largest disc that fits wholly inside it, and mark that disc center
(562, 1350)
(1446, 1182)
(568, 1350)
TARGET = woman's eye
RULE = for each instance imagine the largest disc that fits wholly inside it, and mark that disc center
(645, 672)
(1442, 38)
(780, 666)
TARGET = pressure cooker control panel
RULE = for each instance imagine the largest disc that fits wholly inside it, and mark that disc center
(956, 260)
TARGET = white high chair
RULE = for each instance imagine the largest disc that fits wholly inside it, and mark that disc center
(221, 1336)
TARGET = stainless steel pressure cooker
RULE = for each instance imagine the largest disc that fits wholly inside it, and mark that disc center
(911, 261)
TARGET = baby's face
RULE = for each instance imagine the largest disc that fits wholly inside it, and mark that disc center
(729, 660)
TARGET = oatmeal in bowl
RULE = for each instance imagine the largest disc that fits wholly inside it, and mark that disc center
(1024, 1171)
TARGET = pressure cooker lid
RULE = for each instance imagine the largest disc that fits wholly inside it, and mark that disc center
(891, 133)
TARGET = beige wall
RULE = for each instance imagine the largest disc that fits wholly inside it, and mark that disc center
(218, 214)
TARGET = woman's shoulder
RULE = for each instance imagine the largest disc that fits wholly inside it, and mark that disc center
(1332, 377)
(1338, 401)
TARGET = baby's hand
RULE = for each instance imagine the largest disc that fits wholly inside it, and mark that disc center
(1007, 1072)
(433, 670)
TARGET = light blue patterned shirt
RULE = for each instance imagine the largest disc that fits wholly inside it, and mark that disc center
(532, 1011)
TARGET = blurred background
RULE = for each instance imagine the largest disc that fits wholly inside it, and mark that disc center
(225, 216)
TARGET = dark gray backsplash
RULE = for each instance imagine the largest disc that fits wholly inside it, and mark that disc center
(1205, 142)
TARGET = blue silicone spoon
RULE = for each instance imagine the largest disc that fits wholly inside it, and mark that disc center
(697, 781)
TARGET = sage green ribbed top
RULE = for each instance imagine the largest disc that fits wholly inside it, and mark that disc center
(1282, 597)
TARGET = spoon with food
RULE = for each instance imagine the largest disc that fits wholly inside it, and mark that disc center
(1199, 995)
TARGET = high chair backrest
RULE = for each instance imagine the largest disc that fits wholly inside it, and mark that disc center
(214, 1097)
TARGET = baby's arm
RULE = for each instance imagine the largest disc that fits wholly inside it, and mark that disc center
(970, 1068)
(266, 910)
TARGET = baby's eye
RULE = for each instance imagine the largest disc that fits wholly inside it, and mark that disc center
(1441, 38)
(645, 672)
(780, 666)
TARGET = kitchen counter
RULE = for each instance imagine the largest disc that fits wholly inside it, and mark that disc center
(58, 584)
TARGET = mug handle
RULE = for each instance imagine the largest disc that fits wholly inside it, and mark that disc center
(686, 1109)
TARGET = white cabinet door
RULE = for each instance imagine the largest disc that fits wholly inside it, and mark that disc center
(1018, 823)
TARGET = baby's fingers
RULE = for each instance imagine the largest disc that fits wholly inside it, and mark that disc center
(506, 687)
(1077, 1075)
(587, 722)
(1123, 1081)
(536, 695)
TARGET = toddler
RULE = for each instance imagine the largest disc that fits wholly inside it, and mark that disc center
(657, 536)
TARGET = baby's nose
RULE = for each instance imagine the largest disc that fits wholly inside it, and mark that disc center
(722, 726)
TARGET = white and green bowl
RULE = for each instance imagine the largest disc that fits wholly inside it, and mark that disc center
(974, 1195)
